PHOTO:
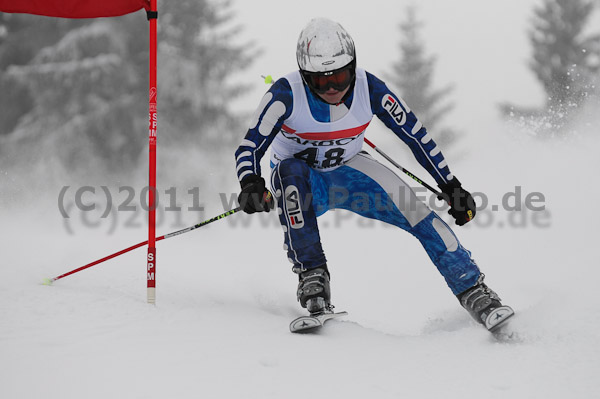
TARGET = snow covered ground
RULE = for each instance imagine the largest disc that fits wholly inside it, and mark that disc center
(225, 297)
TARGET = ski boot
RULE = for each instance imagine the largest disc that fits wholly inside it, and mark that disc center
(313, 290)
(484, 305)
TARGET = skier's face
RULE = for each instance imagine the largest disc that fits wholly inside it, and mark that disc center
(331, 86)
(332, 96)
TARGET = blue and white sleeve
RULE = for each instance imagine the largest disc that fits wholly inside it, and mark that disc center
(274, 108)
(398, 117)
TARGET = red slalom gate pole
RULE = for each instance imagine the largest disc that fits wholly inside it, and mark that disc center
(152, 136)
(49, 281)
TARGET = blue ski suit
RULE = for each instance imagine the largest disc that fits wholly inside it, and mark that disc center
(317, 164)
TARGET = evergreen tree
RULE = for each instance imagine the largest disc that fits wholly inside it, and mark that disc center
(18, 47)
(88, 98)
(565, 60)
(83, 87)
(197, 62)
(413, 75)
(197, 65)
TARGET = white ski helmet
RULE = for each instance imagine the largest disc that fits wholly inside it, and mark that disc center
(323, 46)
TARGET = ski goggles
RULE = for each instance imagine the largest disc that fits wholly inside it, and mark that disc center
(339, 79)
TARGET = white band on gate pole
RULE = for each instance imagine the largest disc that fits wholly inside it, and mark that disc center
(151, 295)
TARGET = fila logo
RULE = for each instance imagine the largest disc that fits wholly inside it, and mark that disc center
(292, 206)
(394, 109)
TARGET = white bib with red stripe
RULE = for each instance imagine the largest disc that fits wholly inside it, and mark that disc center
(323, 145)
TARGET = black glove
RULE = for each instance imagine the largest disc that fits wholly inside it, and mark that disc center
(462, 205)
(254, 196)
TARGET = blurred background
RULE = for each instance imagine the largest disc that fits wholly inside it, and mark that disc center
(74, 92)
(509, 92)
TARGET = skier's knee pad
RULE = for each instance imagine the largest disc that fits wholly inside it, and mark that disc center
(446, 235)
(293, 167)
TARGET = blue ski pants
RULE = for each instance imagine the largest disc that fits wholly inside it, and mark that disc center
(370, 189)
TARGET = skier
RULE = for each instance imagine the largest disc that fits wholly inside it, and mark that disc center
(314, 119)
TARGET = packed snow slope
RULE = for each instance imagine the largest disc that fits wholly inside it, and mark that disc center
(225, 297)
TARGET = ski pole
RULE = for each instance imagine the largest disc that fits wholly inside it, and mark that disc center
(49, 281)
(415, 178)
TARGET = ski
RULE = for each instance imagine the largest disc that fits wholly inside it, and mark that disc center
(314, 322)
(498, 317)
(494, 321)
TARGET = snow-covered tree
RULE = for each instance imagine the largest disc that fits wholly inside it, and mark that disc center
(21, 37)
(81, 87)
(413, 74)
(196, 65)
(85, 93)
(565, 60)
